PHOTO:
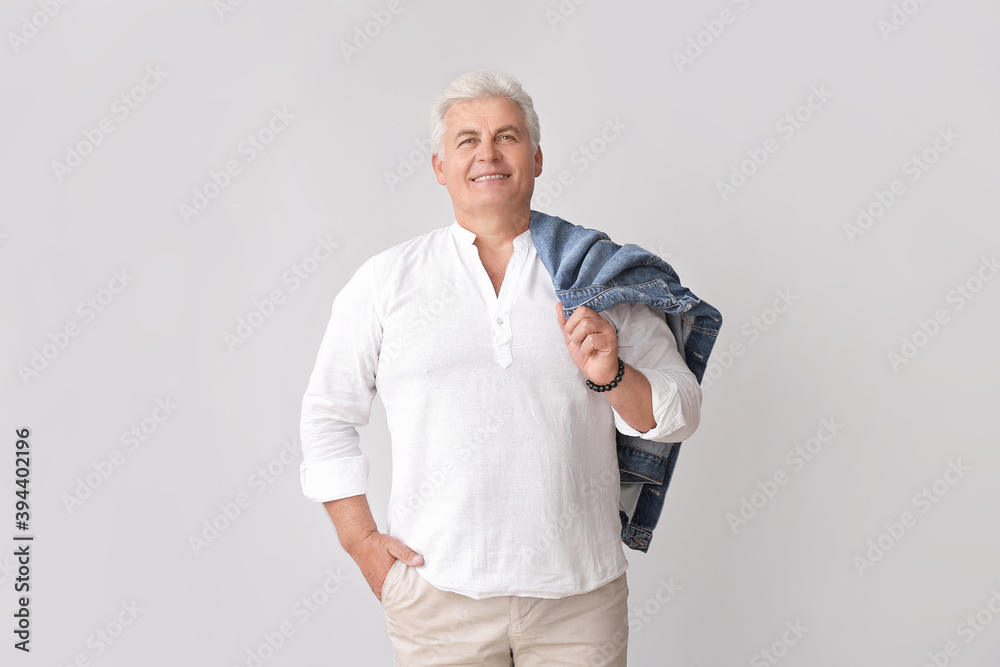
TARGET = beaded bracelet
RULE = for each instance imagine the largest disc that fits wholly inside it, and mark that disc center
(614, 383)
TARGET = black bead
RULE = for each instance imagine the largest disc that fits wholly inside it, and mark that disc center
(611, 385)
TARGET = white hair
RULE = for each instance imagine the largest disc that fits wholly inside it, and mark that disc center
(478, 85)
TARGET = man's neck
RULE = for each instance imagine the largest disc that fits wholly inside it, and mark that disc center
(495, 230)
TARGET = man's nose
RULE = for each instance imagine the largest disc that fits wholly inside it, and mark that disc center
(488, 151)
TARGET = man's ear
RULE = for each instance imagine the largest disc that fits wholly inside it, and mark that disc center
(538, 162)
(438, 167)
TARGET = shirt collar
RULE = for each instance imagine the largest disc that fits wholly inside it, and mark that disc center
(466, 237)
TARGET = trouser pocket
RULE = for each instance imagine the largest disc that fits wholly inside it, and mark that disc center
(390, 577)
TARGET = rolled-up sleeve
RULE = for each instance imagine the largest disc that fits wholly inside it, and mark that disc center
(646, 343)
(340, 393)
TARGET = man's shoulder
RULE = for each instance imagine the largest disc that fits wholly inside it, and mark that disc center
(398, 255)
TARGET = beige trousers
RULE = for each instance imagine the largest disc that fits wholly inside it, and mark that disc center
(430, 627)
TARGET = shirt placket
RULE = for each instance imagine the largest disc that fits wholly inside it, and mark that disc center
(500, 321)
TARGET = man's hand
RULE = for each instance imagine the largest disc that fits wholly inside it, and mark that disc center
(592, 343)
(376, 553)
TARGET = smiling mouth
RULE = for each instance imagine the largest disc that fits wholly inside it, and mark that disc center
(491, 177)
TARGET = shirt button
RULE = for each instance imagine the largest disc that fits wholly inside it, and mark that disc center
(499, 320)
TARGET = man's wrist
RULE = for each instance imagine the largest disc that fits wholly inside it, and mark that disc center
(610, 384)
(353, 544)
(625, 384)
(632, 400)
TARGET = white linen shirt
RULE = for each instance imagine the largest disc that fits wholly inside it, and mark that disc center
(504, 467)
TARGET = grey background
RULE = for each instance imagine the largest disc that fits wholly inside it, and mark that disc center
(357, 119)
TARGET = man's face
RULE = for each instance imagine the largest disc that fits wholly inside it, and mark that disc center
(487, 137)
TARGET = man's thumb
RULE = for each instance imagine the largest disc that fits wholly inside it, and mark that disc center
(408, 555)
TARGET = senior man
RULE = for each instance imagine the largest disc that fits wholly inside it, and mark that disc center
(502, 538)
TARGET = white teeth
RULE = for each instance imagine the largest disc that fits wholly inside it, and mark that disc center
(483, 178)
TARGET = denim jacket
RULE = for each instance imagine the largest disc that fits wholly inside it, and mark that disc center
(589, 269)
